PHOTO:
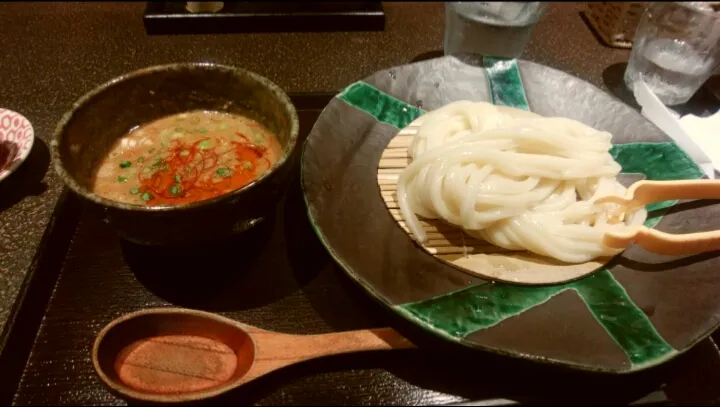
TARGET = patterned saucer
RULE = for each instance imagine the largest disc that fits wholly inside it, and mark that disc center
(16, 141)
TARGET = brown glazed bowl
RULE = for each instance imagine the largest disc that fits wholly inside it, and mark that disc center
(108, 112)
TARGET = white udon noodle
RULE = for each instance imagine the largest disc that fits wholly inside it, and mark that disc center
(516, 179)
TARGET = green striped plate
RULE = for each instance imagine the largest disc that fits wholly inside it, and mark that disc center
(638, 312)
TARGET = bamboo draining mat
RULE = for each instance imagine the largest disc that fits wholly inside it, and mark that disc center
(453, 246)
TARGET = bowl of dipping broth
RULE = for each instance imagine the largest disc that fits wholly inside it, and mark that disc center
(179, 154)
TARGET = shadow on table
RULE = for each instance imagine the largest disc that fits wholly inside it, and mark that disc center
(192, 276)
(305, 254)
(27, 179)
(341, 304)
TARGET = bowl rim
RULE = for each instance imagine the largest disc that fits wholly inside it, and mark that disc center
(87, 98)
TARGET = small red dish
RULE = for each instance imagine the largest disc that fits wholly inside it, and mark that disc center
(16, 141)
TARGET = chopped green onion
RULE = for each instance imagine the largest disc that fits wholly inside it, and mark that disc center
(177, 178)
(141, 159)
(223, 126)
(152, 150)
(223, 172)
(247, 165)
(203, 130)
(204, 144)
(146, 196)
(174, 189)
(135, 191)
(158, 162)
(122, 179)
(184, 153)
(125, 164)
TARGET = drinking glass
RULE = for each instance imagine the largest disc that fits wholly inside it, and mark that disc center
(675, 49)
(499, 29)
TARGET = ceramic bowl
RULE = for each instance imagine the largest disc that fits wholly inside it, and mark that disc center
(99, 118)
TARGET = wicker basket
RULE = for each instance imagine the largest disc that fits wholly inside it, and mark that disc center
(615, 22)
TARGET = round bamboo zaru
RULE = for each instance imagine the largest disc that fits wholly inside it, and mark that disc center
(452, 245)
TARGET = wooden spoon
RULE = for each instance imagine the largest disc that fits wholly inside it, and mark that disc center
(172, 355)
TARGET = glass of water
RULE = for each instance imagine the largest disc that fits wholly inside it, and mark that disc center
(498, 29)
(675, 50)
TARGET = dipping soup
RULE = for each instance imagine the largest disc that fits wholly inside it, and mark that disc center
(184, 158)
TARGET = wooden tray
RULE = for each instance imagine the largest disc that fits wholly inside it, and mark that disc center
(279, 277)
(171, 17)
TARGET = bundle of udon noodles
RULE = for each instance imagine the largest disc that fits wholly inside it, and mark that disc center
(516, 179)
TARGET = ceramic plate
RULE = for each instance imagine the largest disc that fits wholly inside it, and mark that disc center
(640, 311)
(16, 141)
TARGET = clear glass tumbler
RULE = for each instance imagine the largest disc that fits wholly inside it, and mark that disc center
(675, 49)
(499, 29)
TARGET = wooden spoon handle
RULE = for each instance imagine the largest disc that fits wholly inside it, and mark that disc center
(352, 341)
(275, 350)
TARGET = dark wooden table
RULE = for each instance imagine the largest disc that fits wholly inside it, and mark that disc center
(279, 277)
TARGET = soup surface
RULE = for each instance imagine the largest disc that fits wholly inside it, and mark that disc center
(184, 158)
